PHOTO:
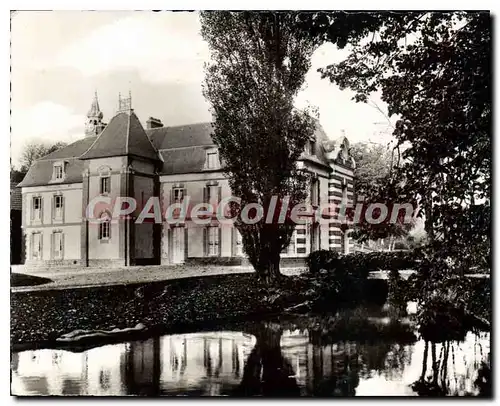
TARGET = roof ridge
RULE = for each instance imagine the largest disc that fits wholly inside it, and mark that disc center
(179, 125)
(91, 145)
(187, 147)
(127, 137)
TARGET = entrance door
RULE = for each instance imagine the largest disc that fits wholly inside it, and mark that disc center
(178, 245)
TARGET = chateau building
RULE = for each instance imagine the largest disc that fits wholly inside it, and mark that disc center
(124, 159)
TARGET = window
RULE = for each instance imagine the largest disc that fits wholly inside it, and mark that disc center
(58, 172)
(315, 237)
(312, 147)
(58, 207)
(213, 195)
(37, 208)
(36, 246)
(212, 161)
(105, 184)
(57, 244)
(314, 193)
(177, 195)
(104, 227)
(291, 246)
(213, 241)
(344, 192)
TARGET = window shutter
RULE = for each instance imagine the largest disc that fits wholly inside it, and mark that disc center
(171, 196)
(185, 243)
(184, 193)
(32, 208)
(41, 209)
(52, 246)
(62, 246)
(205, 241)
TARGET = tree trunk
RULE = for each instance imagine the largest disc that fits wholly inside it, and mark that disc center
(424, 361)
(268, 266)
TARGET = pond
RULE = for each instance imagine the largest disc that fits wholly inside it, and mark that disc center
(271, 358)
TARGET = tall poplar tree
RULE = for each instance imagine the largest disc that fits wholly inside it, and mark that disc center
(259, 61)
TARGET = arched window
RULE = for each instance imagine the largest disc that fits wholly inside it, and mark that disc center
(104, 226)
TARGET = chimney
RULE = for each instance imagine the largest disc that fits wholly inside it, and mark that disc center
(153, 123)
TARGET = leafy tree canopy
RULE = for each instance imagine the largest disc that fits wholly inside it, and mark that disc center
(433, 71)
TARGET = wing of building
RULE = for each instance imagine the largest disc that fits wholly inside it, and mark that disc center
(123, 159)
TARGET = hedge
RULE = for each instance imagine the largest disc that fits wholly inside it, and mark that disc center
(360, 264)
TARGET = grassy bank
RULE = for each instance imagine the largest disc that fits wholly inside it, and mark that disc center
(43, 316)
(46, 315)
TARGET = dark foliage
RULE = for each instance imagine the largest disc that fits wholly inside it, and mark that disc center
(361, 263)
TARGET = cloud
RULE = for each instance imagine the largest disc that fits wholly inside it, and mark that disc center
(47, 122)
(153, 44)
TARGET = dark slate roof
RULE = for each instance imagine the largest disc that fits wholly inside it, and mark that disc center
(182, 149)
(183, 160)
(73, 150)
(321, 138)
(16, 201)
(124, 135)
(40, 172)
(190, 135)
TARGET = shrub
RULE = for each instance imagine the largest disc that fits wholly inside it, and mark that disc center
(360, 264)
(322, 259)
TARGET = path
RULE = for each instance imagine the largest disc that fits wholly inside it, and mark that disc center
(85, 277)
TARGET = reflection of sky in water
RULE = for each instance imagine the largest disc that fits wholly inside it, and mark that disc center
(213, 364)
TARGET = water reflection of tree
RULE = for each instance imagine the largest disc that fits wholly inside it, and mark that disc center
(349, 360)
(385, 358)
(437, 380)
(335, 370)
(267, 372)
(143, 368)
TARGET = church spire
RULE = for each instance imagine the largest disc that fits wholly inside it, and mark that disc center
(94, 124)
(95, 110)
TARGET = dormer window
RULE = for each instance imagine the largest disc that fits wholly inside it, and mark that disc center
(311, 147)
(212, 159)
(58, 171)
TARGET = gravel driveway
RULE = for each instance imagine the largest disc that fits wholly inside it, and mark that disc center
(63, 278)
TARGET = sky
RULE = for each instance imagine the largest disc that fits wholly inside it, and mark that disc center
(60, 58)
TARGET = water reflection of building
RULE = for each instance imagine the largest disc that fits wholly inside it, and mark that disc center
(49, 372)
(213, 364)
(203, 364)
